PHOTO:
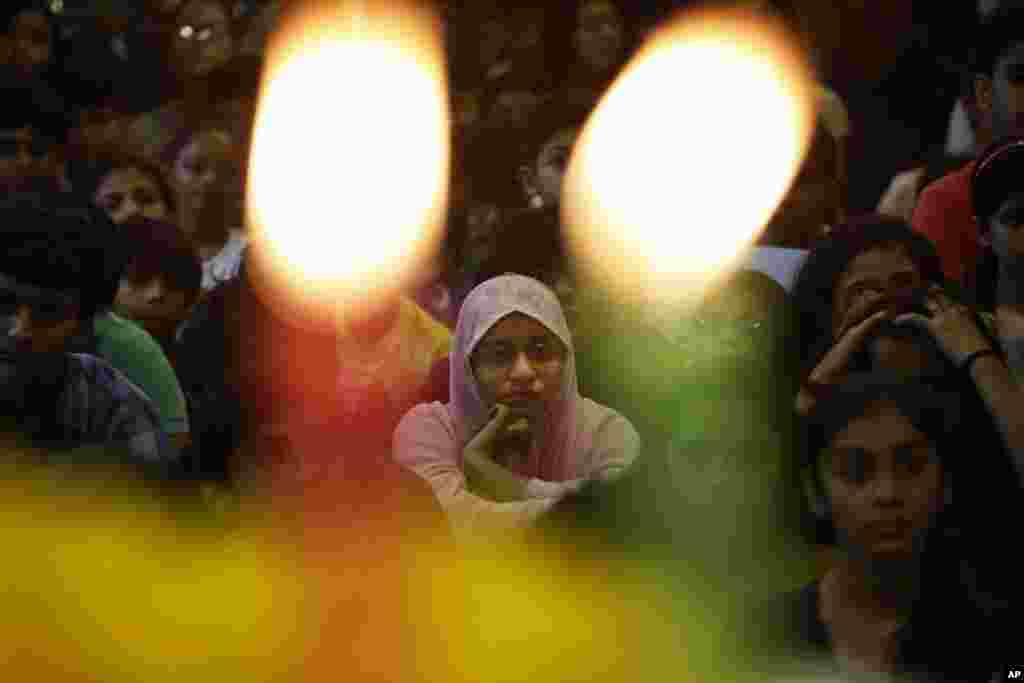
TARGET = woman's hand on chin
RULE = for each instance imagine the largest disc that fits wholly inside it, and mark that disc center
(484, 475)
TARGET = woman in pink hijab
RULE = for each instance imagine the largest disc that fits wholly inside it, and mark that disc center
(516, 434)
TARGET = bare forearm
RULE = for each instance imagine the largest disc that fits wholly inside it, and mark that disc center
(491, 480)
(1010, 324)
(1004, 399)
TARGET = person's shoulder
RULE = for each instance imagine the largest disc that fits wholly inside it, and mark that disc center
(779, 263)
(834, 112)
(440, 334)
(592, 411)
(425, 434)
(433, 417)
(953, 187)
(783, 632)
(601, 418)
(97, 374)
(91, 367)
(131, 349)
(112, 327)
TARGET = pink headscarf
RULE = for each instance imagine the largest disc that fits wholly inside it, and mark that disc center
(556, 447)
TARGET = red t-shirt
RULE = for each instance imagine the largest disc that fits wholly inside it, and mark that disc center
(944, 215)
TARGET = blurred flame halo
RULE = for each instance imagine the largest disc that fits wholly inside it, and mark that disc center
(349, 163)
(688, 155)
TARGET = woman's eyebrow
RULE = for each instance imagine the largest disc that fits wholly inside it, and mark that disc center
(506, 341)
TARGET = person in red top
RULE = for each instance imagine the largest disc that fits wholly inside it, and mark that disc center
(944, 213)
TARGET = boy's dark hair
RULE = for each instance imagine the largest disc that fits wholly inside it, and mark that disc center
(816, 282)
(60, 242)
(997, 33)
(87, 175)
(157, 248)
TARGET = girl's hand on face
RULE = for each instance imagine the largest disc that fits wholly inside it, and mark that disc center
(951, 325)
(483, 445)
(483, 473)
(851, 340)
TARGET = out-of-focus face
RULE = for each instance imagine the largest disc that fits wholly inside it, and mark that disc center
(1007, 226)
(551, 164)
(600, 35)
(885, 484)
(1001, 96)
(97, 127)
(38, 328)
(128, 193)
(513, 108)
(202, 39)
(31, 41)
(153, 303)
(207, 169)
(482, 224)
(27, 159)
(511, 41)
(875, 275)
(519, 362)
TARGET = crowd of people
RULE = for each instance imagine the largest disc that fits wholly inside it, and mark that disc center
(830, 438)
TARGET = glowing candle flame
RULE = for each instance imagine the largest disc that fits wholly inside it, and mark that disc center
(688, 155)
(349, 163)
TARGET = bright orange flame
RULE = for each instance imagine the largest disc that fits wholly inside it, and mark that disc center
(349, 165)
(688, 155)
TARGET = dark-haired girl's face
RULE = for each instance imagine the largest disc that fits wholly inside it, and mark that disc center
(872, 278)
(130, 193)
(884, 482)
